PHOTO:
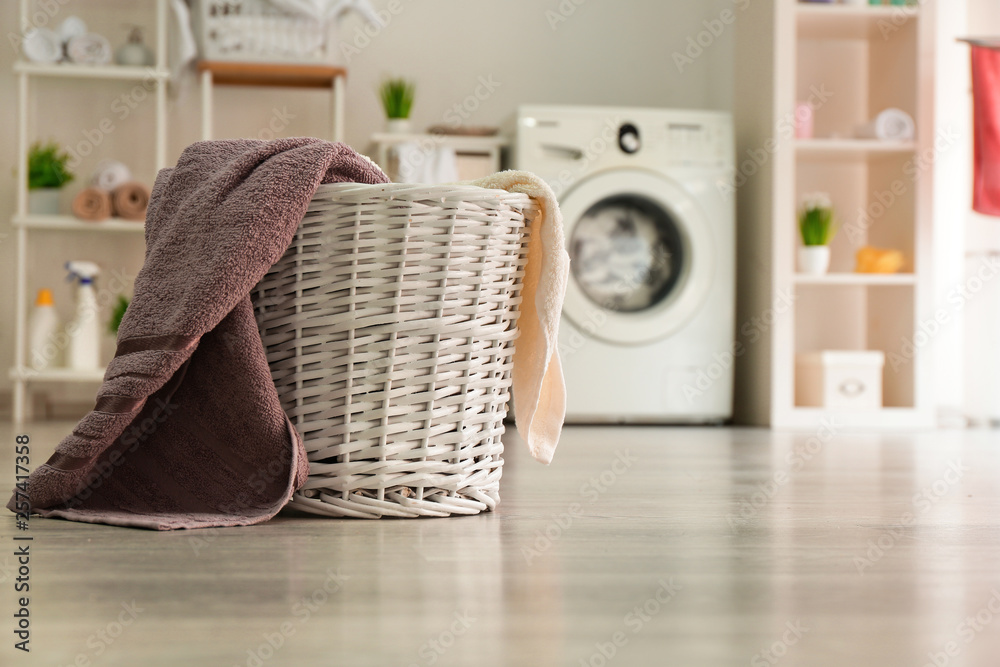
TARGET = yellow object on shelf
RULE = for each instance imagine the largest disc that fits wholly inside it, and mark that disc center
(878, 260)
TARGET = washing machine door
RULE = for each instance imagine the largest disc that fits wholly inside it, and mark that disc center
(641, 256)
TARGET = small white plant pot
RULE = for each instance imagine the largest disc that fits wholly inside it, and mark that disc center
(44, 201)
(814, 260)
(397, 125)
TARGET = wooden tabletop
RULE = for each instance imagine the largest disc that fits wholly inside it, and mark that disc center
(290, 75)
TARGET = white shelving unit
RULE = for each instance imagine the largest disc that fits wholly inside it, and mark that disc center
(26, 225)
(864, 59)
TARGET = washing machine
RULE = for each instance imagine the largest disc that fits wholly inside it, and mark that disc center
(647, 333)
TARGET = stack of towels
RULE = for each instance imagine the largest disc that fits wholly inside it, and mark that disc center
(112, 192)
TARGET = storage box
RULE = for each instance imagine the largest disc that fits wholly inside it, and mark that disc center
(843, 380)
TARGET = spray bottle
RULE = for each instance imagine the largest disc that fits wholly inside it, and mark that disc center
(84, 353)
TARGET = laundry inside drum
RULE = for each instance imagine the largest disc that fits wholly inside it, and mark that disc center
(627, 253)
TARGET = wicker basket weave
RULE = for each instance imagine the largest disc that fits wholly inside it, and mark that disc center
(389, 326)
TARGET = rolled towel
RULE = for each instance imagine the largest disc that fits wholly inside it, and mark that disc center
(89, 49)
(92, 204)
(110, 174)
(129, 201)
(890, 125)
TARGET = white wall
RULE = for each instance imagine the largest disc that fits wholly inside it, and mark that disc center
(602, 53)
(981, 239)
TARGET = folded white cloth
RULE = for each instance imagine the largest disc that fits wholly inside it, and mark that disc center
(420, 163)
(890, 125)
(539, 387)
(109, 174)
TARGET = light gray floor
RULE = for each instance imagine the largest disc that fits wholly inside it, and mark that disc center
(655, 546)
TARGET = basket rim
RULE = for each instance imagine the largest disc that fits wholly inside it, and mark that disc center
(448, 190)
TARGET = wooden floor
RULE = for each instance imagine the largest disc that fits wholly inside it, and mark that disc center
(637, 546)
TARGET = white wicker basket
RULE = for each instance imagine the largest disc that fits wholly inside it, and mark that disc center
(257, 31)
(389, 326)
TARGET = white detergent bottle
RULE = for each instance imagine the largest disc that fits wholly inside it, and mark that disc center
(84, 353)
(43, 328)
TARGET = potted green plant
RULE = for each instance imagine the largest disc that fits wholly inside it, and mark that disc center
(397, 100)
(816, 225)
(47, 174)
(121, 305)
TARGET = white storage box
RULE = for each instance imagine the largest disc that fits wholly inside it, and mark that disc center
(838, 379)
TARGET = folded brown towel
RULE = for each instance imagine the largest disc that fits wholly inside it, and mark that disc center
(92, 204)
(130, 200)
(188, 430)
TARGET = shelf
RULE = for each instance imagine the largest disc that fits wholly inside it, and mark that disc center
(895, 419)
(56, 375)
(271, 74)
(70, 224)
(857, 279)
(828, 21)
(851, 148)
(120, 72)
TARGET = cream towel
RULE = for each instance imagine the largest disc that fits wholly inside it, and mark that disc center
(539, 388)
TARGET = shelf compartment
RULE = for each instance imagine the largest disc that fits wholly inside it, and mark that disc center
(70, 71)
(71, 224)
(26, 374)
(873, 316)
(856, 279)
(824, 21)
(851, 148)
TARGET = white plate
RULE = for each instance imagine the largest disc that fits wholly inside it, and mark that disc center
(72, 26)
(41, 45)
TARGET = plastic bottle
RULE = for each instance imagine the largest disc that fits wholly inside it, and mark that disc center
(44, 326)
(84, 331)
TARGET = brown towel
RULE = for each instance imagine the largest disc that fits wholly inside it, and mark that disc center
(188, 430)
(92, 205)
(130, 200)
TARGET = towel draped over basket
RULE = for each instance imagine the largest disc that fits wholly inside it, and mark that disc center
(188, 429)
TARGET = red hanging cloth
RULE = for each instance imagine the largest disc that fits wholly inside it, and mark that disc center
(986, 112)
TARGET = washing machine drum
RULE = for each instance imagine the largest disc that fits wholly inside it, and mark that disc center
(641, 256)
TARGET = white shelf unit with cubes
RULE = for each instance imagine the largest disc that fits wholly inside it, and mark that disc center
(30, 228)
(850, 62)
